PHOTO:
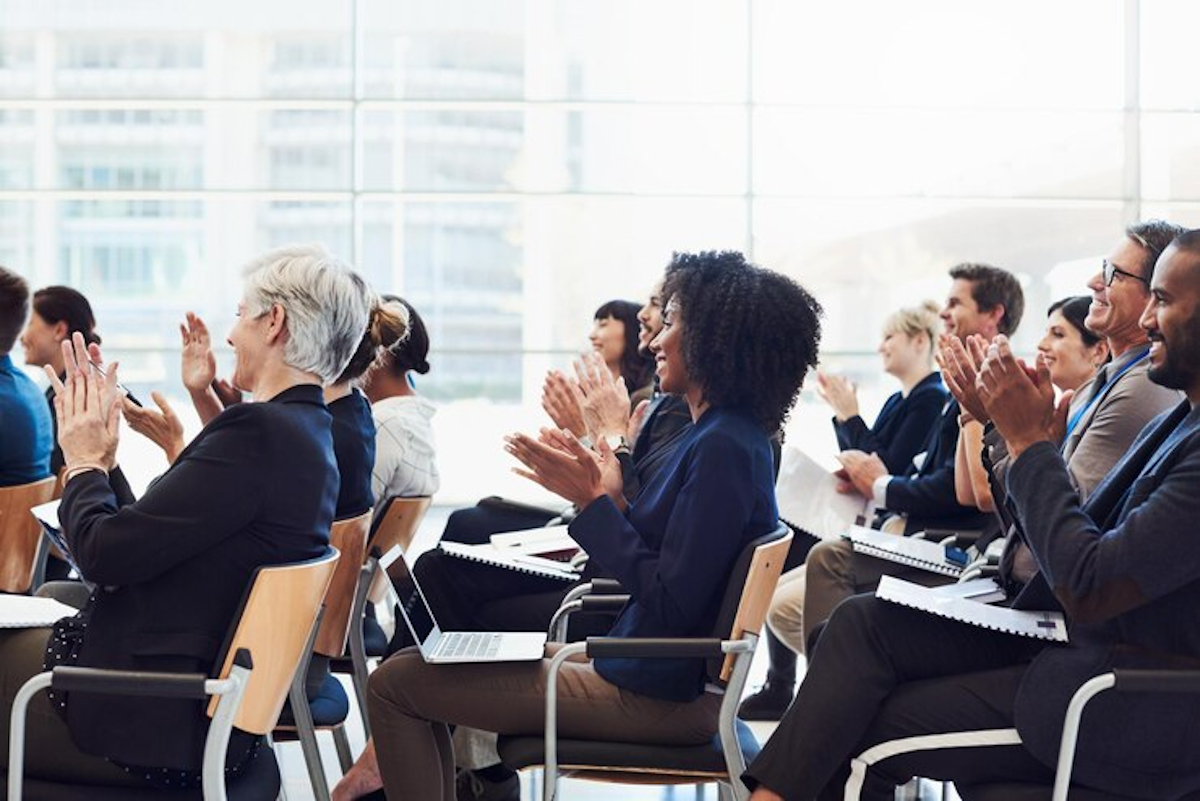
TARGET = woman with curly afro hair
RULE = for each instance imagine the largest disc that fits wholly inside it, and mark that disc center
(737, 343)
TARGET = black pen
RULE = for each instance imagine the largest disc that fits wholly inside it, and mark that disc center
(120, 386)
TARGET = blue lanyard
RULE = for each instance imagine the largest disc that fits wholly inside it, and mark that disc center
(1075, 418)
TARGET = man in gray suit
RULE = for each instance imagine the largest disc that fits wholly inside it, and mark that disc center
(1123, 567)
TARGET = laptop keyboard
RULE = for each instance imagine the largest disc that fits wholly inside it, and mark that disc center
(469, 645)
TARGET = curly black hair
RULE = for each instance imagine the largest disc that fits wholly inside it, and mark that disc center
(750, 335)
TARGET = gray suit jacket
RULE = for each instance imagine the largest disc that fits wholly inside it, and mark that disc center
(1126, 569)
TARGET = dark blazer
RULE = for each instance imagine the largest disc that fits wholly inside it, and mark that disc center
(926, 495)
(1126, 570)
(673, 549)
(256, 487)
(354, 451)
(902, 427)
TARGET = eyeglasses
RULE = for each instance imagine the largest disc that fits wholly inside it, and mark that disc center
(1111, 271)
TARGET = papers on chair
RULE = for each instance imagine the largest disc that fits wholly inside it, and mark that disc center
(1040, 625)
(25, 612)
(903, 550)
(807, 496)
(522, 563)
(548, 542)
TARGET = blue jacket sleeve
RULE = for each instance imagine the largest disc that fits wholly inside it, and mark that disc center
(675, 585)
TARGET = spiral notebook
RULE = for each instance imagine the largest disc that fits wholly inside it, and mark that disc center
(903, 550)
(522, 563)
(1039, 625)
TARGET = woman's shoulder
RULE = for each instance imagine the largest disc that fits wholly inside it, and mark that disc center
(726, 432)
(929, 390)
(403, 407)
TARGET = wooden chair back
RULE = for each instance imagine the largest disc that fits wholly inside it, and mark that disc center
(350, 538)
(20, 532)
(396, 524)
(766, 565)
(275, 624)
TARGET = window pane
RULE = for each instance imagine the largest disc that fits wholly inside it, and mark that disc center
(904, 152)
(1168, 67)
(941, 53)
(1171, 156)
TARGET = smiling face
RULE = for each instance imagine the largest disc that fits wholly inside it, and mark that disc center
(248, 338)
(1116, 308)
(1172, 322)
(667, 348)
(608, 339)
(961, 315)
(1070, 360)
(902, 353)
(41, 341)
(650, 319)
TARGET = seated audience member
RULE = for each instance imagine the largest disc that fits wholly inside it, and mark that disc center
(26, 432)
(405, 452)
(672, 548)
(983, 300)
(900, 432)
(1107, 413)
(59, 311)
(1120, 567)
(256, 487)
(468, 596)
(618, 341)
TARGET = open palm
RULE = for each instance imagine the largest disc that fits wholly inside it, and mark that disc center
(199, 366)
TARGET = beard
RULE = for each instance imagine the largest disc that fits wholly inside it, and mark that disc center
(1181, 361)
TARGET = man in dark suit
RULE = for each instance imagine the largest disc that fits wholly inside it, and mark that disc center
(1123, 567)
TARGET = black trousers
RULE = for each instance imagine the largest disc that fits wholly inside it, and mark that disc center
(882, 672)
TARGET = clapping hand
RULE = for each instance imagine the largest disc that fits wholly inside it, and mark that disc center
(87, 406)
(162, 427)
(199, 366)
(960, 365)
(559, 462)
(605, 399)
(1020, 399)
(861, 471)
(563, 401)
(840, 394)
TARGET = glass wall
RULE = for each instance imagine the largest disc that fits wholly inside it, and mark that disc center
(508, 165)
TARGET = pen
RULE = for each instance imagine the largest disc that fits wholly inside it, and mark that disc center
(120, 386)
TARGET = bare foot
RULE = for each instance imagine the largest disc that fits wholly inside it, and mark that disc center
(363, 777)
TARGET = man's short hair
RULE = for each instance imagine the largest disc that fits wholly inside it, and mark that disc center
(14, 308)
(992, 287)
(1153, 236)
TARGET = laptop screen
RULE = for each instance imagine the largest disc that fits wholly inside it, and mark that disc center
(420, 618)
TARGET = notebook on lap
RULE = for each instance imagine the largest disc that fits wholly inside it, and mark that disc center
(439, 646)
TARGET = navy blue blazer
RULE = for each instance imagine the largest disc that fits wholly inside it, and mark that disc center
(926, 495)
(674, 548)
(1126, 570)
(256, 487)
(354, 450)
(902, 427)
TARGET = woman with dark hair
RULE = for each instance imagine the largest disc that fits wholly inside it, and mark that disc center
(1070, 350)
(614, 338)
(58, 312)
(405, 452)
(672, 549)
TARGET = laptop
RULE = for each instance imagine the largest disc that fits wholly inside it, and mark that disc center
(448, 647)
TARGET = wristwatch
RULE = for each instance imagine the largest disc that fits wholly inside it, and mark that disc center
(616, 442)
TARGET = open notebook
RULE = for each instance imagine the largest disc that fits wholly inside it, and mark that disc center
(944, 602)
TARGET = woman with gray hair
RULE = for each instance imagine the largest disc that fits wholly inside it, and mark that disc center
(256, 487)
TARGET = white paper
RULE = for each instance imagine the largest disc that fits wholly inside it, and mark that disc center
(903, 550)
(48, 513)
(534, 541)
(1040, 625)
(807, 496)
(26, 612)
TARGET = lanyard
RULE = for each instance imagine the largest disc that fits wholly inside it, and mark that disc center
(1075, 418)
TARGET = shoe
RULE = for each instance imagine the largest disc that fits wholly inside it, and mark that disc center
(769, 703)
(470, 786)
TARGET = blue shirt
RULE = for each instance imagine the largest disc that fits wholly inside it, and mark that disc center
(25, 428)
(675, 547)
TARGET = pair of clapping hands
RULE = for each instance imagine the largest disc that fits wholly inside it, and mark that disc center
(594, 405)
(210, 395)
(990, 383)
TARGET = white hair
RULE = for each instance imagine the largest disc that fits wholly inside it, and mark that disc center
(327, 305)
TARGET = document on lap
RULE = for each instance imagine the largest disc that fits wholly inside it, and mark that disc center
(26, 612)
(936, 601)
(807, 497)
(47, 515)
(548, 542)
(924, 554)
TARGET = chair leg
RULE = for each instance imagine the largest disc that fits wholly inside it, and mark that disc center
(342, 744)
(307, 735)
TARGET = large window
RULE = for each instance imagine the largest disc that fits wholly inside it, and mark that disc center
(508, 165)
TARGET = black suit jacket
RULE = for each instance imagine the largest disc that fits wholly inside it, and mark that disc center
(926, 495)
(256, 487)
(1126, 569)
